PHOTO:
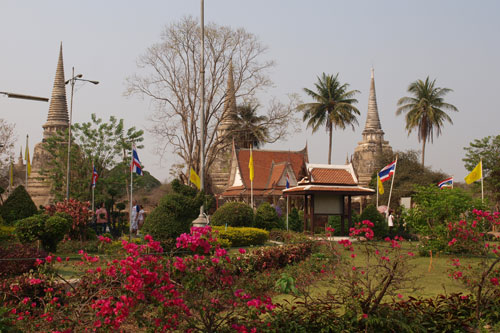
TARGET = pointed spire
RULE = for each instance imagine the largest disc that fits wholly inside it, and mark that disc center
(347, 158)
(372, 118)
(58, 109)
(20, 161)
(229, 104)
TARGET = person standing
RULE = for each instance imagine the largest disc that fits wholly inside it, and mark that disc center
(390, 222)
(102, 219)
(134, 218)
(140, 217)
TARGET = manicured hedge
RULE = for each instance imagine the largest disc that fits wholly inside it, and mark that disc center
(242, 236)
(280, 256)
(234, 214)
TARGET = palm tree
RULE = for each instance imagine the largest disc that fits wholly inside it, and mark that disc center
(247, 128)
(425, 110)
(333, 106)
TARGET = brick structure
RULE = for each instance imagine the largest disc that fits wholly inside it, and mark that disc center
(373, 143)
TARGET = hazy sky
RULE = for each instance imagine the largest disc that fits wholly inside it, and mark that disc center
(456, 42)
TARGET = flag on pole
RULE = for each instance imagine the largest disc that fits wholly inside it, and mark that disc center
(387, 172)
(27, 157)
(136, 164)
(448, 182)
(380, 185)
(194, 178)
(287, 180)
(476, 174)
(11, 175)
(94, 176)
(250, 166)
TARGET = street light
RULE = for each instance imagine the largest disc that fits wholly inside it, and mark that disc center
(201, 220)
(73, 79)
(21, 96)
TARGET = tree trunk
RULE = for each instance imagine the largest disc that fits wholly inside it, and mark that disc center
(423, 152)
(330, 145)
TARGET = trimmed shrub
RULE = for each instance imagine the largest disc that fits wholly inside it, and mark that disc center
(267, 218)
(280, 256)
(30, 229)
(287, 236)
(12, 267)
(55, 229)
(173, 216)
(371, 213)
(17, 206)
(49, 230)
(295, 223)
(242, 236)
(7, 233)
(234, 214)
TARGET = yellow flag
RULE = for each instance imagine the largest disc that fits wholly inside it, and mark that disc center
(11, 173)
(380, 185)
(475, 174)
(27, 157)
(250, 166)
(194, 178)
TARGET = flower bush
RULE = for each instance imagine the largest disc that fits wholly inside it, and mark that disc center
(80, 213)
(482, 279)
(198, 293)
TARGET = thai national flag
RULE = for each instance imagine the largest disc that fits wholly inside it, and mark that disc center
(136, 164)
(445, 183)
(287, 180)
(94, 176)
(387, 172)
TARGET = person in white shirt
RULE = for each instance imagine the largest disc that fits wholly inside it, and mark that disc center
(134, 218)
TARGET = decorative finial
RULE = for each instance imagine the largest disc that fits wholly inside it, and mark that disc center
(373, 73)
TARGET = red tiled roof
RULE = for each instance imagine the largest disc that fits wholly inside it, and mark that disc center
(332, 176)
(276, 173)
(262, 162)
(351, 190)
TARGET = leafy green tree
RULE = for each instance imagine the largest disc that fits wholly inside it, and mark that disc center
(247, 127)
(106, 145)
(487, 149)
(425, 110)
(333, 106)
(409, 172)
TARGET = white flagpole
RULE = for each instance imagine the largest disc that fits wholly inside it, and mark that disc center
(482, 186)
(26, 157)
(131, 189)
(392, 183)
(377, 187)
(93, 207)
(287, 212)
(251, 180)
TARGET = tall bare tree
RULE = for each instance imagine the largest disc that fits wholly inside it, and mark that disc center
(170, 78)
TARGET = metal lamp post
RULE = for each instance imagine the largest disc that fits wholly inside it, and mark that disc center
(73, 79)
(201, 220)
(21, 96)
